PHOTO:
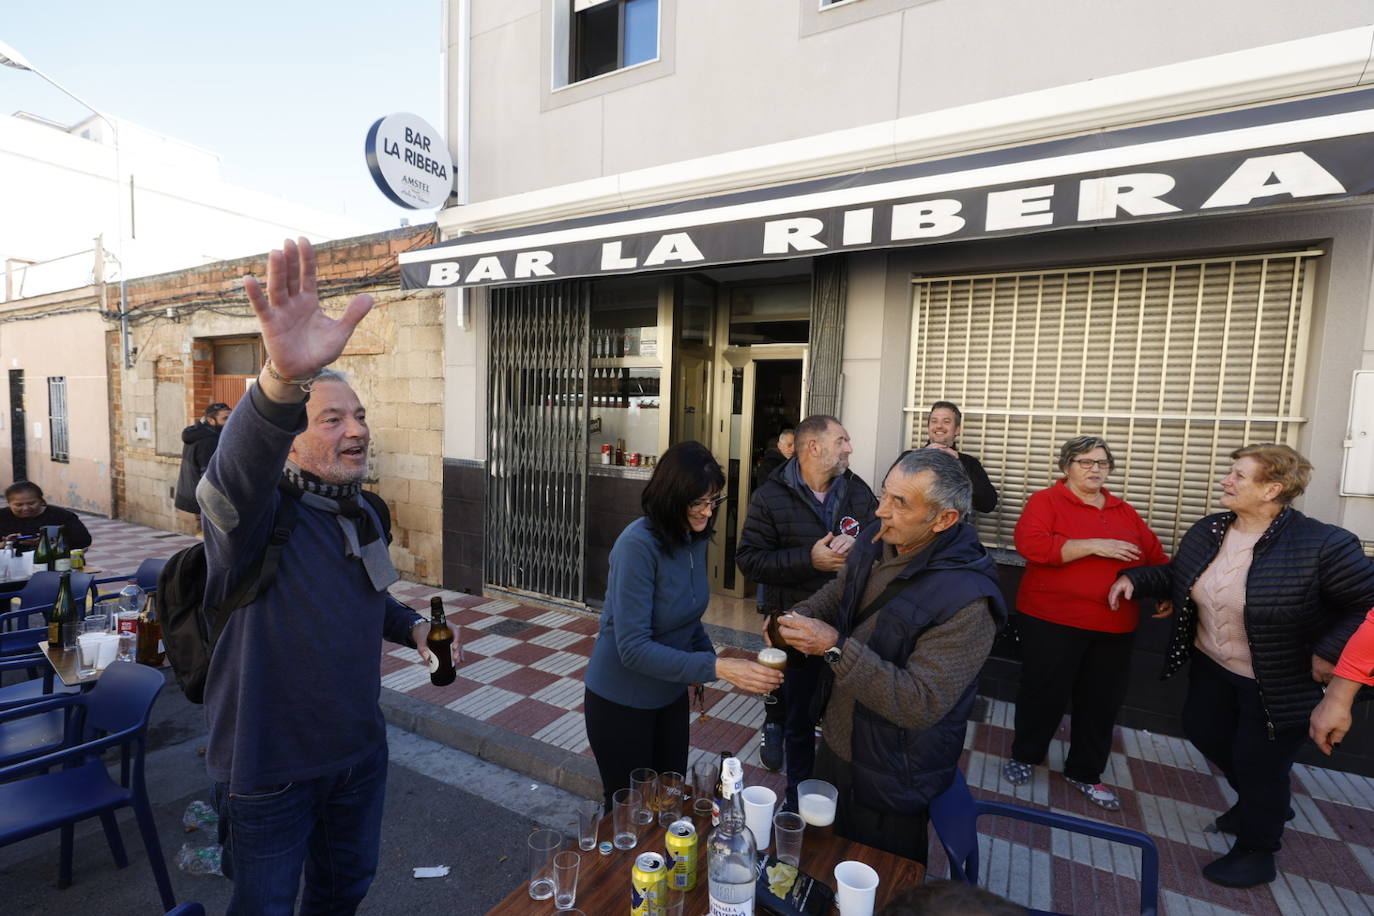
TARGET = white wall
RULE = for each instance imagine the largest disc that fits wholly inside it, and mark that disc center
(59, 193)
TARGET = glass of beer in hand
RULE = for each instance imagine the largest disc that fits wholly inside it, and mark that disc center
(775, 658)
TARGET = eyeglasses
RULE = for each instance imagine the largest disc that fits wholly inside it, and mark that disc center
(1088, 464)
(706, 502)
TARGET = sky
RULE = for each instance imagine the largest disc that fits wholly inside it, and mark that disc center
(283, 91)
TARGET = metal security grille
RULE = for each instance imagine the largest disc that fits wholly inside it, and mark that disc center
(57, 417)
(537, 439)
(1174, 363)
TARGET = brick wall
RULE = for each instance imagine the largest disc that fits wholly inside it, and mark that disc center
(395, 360)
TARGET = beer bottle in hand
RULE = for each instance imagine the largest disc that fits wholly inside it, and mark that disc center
(42, 554)
(62, 617)
(61, 553)
(440, 645)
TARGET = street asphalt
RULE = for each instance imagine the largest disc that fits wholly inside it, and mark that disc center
(444, 807)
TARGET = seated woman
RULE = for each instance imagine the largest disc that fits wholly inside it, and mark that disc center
(27, 513)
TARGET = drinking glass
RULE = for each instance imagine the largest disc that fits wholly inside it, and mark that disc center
(673, 902)
(671, 788)
(787, 837)
(645, 782)
(777, 660)
(588, 823)
(626, 802)
(759, 802)
(543, 844)
(88, 640)
(703, 786)
(565, 868)
(816, 801)
(107, 608)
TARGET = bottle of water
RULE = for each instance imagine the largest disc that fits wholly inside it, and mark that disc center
(730, 850)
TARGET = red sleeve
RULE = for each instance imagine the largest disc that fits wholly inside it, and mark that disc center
(1035, 537)
(1357, 660)
(1151, 551)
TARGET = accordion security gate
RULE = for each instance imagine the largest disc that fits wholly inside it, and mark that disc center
(537, 440)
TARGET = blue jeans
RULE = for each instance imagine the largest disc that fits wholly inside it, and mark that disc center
(331, 826)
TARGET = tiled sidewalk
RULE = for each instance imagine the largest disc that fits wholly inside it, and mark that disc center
(522, 674)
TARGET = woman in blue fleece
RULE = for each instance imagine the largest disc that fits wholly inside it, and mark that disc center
(652, 644)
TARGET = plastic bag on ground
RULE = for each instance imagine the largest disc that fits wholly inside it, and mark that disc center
(199, 816)
(200, 860)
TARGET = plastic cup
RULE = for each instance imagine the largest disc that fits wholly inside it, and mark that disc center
(788, 828)
(816, 801)
(671, 788)
(856, 887)
(565, 868)
(645, 782)
(542, 844)
(759, 802)
(588, 824)
(626, 802)
(703, 787)
(88, 653)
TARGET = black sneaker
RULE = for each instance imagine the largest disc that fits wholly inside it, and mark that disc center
(1242, 868)
(1229, 821)
(770, 746)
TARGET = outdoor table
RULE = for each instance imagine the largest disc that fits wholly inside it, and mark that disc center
(67, 663)
(603, 884)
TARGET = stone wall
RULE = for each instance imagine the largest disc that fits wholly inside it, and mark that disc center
(395, 360)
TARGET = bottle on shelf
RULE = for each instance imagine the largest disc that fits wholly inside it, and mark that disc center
(62, 617)
(731, 851)
(42, 554)
(440, 645)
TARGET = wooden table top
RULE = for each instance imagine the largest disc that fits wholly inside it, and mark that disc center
(603, 883)
(67, 663)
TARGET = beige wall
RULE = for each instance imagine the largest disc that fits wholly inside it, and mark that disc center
(395, 360)
(60, 335)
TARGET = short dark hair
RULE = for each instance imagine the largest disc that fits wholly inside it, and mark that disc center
(949, 898)
(23, 486)
(685, 472)
(813, 427)
(947, 405)
(214, 409)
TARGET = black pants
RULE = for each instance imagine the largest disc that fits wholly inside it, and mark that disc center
(900, 834)
(1224, 717)
(1060, 664)
(624, 738)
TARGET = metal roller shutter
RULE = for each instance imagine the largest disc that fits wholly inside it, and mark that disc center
(1174, 363)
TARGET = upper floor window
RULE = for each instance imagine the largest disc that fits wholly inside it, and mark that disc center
(609, 35)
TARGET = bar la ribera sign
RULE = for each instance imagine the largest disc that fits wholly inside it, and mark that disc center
(1155, 172)
(409, 161)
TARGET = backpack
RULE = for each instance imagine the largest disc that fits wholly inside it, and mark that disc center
(189, 629)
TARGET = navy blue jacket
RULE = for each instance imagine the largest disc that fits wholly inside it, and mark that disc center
(902, 769)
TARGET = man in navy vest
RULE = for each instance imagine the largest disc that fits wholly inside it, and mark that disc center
(904, 630)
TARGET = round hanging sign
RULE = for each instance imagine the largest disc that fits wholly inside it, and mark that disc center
(409, 161)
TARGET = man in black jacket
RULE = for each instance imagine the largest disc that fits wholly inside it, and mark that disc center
(943, 426)
(199, 441)
(801, 524)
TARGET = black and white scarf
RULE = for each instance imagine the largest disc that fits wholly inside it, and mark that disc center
(362, 539)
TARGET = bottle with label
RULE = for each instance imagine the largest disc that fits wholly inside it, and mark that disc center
(150, 648)
(720, 789)
(62, 617)
(61, 553)
(730, 852)
(42, 554)
(440, 645)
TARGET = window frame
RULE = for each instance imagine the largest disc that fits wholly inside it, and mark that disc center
(59, 444)
(557, 49)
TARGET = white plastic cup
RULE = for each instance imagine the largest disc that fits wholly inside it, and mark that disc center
(109, 648)
(816, 801)
(856, 888)
(88, 649)
(759, 802)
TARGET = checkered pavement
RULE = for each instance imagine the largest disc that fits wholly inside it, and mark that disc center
(522, 672)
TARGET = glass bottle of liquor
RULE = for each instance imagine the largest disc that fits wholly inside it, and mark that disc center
(62, 618)
(150, 650)
(61, 553)
(716, 802)
(42, 554)
(730, 851)
(440, 645)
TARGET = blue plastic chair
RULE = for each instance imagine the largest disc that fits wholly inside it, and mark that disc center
(145, 577)
(189, 908)
(34, 800)
(954, 815)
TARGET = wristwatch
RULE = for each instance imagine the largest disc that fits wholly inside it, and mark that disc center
(832, 655)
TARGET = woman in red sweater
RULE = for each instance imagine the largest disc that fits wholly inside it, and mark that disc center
(1076, 538)
(1331, 719)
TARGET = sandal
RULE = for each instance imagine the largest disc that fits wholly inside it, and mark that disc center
(1017, 773)
(1099, 794)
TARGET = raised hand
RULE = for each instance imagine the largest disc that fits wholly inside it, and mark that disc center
(298, 336)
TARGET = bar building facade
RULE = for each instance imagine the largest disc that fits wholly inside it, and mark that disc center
(706, 220)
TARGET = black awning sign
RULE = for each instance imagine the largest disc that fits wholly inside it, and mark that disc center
(927, 203)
